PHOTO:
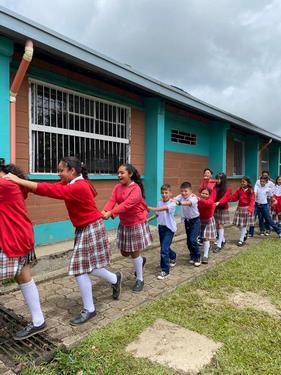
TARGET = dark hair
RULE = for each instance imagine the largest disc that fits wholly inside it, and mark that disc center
(208, 169)
(248, 182)
(220, 188)
(75, 163)
(166, 187)
(186, 185)
(277, 179)
(207, 189)
(135, 176)
(267, 172)
(264, 178)
(12, 168)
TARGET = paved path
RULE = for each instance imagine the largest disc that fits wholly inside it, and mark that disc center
(61, 300)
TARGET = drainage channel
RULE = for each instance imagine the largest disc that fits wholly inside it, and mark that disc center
(39, 348)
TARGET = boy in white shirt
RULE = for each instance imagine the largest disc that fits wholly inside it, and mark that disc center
(262, 193)
(165, 213)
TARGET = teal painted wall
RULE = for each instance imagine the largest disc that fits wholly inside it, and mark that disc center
(61, 231)
(252, 156)
(274, 159)
(218, 144)
(154, 148)
(6, 50)
(173, 121)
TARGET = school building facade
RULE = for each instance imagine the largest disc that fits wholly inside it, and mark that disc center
(74, 101)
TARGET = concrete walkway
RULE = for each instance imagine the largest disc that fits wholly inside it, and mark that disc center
(61, 300)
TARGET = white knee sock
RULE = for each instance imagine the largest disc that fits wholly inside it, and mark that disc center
(206, 247)
(221, 236)
(243, 233)
(85, 285)
(31, 296)
(138, 267)
(105, 274)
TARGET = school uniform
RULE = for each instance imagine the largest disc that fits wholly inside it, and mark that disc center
(166, 228)
(207, 183)
(221, 213)
(133, 232)
(276, 194)
(91, 246)
(16, 231)
(206, 209)
(263, 193)
(191, 220)
(243, 216)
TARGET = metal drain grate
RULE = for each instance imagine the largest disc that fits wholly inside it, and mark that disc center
(38, 348)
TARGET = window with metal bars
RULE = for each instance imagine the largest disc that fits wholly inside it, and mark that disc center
(67, 123)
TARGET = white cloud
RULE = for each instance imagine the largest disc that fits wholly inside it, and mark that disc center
(225, 52)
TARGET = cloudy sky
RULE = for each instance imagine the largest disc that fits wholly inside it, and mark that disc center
(225, 52)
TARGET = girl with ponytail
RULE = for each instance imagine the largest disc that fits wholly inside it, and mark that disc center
(91, 253)
(133, 233)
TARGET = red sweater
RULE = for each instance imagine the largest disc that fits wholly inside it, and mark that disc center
(245, 198)
(223, 202)
(206, 208)
(79, 199)
(207, 183)
(131, 208)
(16, 231)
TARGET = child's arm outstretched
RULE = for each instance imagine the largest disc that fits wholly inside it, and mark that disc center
(152, 218)
(20, 181)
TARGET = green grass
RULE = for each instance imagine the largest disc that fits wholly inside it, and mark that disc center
(251, 339)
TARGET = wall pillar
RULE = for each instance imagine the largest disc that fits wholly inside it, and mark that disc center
(252, 157)
(274, 159)
(154, 148)
(218, 143)
(6, 51)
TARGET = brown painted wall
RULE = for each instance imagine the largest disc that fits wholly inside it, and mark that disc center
(229, 157)
(44, 210)
(180, 167)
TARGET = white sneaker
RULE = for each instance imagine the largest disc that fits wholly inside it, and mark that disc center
(163, 275)
(197, 263)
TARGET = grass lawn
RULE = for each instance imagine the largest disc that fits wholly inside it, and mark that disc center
(251, 339)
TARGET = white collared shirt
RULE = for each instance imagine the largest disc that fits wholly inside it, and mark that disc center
(80, 177)
(262, 194)
(188, 212)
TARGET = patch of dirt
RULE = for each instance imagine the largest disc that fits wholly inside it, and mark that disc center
(206, 297)
(255, 301)
(174, 346)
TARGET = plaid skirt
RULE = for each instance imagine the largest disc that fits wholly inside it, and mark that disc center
(91, 249)
(134, 238)
(242, 218)
(221, 216)
(208, 229)
(10, 267)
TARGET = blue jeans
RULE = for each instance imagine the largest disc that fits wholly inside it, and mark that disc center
(265, 219)
(166, 238)
(192, 229)
(266, 225)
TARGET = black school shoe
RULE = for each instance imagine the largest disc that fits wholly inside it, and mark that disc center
(143, 264)
(83, 317)
(138, 287)
(116, 288)
(29, 331)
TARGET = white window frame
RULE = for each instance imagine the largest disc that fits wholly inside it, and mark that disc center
(243, 157)
(71, 132)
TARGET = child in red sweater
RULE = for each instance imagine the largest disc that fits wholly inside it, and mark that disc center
(208, 232)
(17, 248)
(133, 232)
(221, 195)
(207, 181)
(91, 246)
(243, 217)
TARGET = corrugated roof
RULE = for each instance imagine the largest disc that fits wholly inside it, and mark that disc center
(17, 26)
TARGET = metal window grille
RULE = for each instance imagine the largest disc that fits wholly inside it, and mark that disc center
(264, 159)
(238, 158)
(179, 136)
(67, 123)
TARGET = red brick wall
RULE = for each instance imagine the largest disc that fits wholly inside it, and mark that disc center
(44, 210)
(180, 167)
